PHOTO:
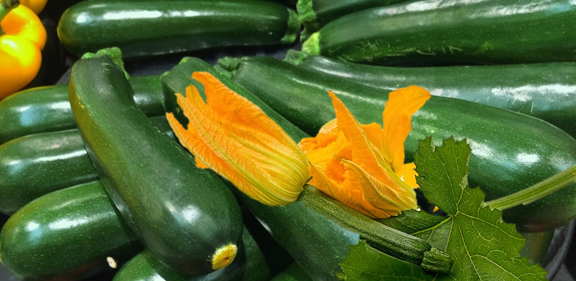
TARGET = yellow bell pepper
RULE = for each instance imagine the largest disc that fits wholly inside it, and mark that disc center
(22, 38)
(35, 5)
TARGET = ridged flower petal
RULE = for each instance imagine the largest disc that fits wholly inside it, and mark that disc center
(236, 139)
(363, 165)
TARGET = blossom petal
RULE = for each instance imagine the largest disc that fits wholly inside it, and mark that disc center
(348, 195)
(400, 107)
(232, 136)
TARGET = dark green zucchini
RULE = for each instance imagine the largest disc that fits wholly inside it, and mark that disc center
(546, 91)
(66, 235)
(47, 109)
(249, 265)
(329, 227)
(434, 32)
(38, 164)
(184, 215)
(510, 151)
(162, 27)
(292, 273)
(314, 14)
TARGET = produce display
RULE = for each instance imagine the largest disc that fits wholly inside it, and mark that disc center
(401, 140)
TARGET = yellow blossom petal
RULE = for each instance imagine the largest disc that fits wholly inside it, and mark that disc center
(236, 139)
(400, 107)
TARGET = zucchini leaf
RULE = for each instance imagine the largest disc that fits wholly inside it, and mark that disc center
(482, 245)
(366, 263)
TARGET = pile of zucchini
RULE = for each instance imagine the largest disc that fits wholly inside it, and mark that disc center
(93, 179)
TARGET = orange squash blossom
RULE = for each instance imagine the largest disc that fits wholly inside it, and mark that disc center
(363, 165)
(236, 139)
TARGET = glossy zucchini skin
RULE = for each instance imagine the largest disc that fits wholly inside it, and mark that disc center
(544, 90)
(314, 14)
(292, 273)
(452, 32)
(181, 213)
(147, 28)
(38, 164)
(510, 151)
(249, 265)
(47, 109)
(66, 235)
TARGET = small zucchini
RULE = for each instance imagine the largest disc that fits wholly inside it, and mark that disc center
(47, 109)
(510, 151)
(163, 27)
(543, 90)
(249, 265)
(433, 32)
(184, 215)
(66, 235)
(38, 164)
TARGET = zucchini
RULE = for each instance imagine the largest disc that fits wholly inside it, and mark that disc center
(510, 151)
(292, 273)
(451, 32)
(249, 265)
(35, 165)
(66, 235)
(163, 27)
(314, 230)
(47, 109)
(314, 14)
(543, 90)
(184, 215)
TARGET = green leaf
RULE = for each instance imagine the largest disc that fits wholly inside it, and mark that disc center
(365, 263)
(482, 245)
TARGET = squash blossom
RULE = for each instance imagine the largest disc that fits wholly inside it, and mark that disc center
(363, 166)
(236, 139)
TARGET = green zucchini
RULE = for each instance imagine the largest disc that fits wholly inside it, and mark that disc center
(184, 215)
(452, 32)
(543, 90)
(38, 164)
(314, 14)
(314, 230)
(510, 151)
(163, 27)
(249, 265)
(46, 109)
(292, 273)
(66, 235)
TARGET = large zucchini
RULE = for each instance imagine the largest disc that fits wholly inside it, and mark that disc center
(185, 216)
(66, 235)
(38, 164)
(510, 151)
(546, 91)
(161, 27)
(452, 31)
(315, 231)
(46, 109)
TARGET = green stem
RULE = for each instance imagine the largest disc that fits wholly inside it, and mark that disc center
(535, 192)
(5, 7)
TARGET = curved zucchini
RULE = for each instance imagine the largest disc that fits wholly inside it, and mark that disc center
(451, 32)
(162, 27)
(47, 109)
(66, 235)
(546, 91)
(328, 226)
(510, 151)
(38, 164)
(184, 215)
(249, 265)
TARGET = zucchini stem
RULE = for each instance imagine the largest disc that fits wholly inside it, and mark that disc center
(535, 192)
